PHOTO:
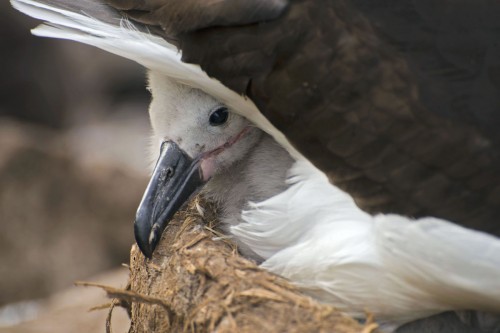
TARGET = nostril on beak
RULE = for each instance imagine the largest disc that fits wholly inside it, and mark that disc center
(169, 172)
(166, 174)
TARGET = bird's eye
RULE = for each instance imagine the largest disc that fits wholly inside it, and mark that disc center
(219, 116)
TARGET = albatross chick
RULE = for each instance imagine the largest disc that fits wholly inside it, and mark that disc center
(286, 215)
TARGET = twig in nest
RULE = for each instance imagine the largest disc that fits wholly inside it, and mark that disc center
(101, 307)
(127, 295)
(370, 324)
(110, 314)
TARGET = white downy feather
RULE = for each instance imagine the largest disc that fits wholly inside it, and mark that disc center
(394, 267)
(152, 52)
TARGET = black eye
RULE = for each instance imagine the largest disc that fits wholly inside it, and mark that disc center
(219, 116)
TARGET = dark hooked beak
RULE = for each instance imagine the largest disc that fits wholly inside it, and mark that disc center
(175, 179)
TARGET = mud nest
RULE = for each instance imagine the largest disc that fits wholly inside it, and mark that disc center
(197, 282)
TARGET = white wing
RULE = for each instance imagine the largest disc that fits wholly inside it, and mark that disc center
(458, 267)
(389, 265)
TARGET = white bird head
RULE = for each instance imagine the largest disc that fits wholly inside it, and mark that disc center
(200, 138)
(199, 124)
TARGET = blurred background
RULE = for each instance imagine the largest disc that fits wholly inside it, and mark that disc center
(73, 165)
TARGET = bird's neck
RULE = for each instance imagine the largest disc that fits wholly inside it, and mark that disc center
(259, 175)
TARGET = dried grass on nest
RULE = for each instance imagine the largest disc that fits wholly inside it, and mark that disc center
(197, 282)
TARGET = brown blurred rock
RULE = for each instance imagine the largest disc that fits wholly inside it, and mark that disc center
(61, 220)
(68, 310)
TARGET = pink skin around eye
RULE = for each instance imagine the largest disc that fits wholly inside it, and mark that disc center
(208, 158)
(207, 168)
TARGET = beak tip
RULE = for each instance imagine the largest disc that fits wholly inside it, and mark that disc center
(142, 238)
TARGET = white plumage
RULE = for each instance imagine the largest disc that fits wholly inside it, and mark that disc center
(396, 268)
(313, 233)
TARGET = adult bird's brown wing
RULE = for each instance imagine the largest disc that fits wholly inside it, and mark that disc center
(396, 101)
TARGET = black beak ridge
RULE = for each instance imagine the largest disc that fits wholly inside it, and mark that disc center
(175, 179)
